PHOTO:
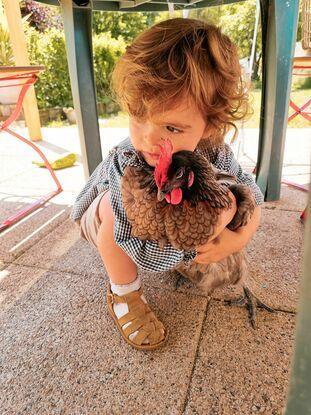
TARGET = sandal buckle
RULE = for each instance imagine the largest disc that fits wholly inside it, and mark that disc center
(111, 297)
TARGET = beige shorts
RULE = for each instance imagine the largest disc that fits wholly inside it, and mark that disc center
(90, 222)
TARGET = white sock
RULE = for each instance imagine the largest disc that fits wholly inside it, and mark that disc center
(122, 308)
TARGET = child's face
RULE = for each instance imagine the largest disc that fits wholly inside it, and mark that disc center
(184, 126)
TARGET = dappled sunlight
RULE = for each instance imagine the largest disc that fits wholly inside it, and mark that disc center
(15, 282)
(23, 241)
(3, 275)
(19, 223)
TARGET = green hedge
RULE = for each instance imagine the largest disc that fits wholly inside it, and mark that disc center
(53, 86)
(106, 52)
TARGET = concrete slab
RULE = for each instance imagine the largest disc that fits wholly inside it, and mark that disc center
(59, 251)
(16, 158)
(239, 370)
(36, 178)
(61, 353)
(275, 259)
(11, 166)
(291, 199)
(10, 200)
(19, 237)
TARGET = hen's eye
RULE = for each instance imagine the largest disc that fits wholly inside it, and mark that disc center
(179, 174)
(173, 129)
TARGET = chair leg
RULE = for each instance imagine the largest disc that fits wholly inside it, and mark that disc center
(303, 216)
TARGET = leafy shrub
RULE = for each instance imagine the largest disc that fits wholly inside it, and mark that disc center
(6, 52)
(106, 52)
(301, 83)
(53, 86)
(127, 25)
(48, 49)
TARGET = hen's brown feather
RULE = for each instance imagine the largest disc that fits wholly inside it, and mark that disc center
(141, 207)
(184, 226)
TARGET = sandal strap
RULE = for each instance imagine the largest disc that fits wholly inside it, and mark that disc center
(140, 317)
(132, 315)
(126, 298)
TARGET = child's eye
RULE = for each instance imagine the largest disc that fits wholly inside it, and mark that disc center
(173, 129)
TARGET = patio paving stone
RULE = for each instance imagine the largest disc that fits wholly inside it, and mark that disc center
(36, 178)
(239, 370)
(61, 352)
(291, 199)
(19, 237)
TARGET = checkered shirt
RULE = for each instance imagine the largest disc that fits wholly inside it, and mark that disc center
(147, 254)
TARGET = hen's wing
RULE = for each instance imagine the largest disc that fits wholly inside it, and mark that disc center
(245, 205)
(244, 199)
(188, 226)
(143, 211)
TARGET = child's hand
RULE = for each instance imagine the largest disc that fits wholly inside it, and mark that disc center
(225, 244)
(228, 242)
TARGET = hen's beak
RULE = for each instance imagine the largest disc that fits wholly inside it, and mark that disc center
(161, 195)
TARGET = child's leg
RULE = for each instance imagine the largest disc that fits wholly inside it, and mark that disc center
(120, 267)
(122, 272)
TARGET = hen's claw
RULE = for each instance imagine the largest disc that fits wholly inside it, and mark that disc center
(181, 280)
(251, 302)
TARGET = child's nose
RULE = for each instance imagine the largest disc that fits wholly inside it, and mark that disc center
(152, 136)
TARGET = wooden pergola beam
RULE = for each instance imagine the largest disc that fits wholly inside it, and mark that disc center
(19, 46)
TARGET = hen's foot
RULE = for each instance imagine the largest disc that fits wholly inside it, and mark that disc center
(251, 302)
(181, 280)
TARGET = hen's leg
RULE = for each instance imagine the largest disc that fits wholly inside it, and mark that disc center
(251, 302)
(181, 279)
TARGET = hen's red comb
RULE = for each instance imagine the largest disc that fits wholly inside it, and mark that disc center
(163, 163)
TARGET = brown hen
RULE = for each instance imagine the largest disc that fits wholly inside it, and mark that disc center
(179, 202)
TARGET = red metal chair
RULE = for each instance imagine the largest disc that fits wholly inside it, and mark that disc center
(22, 78)
(301, 67)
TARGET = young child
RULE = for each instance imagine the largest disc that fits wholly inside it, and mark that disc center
(180, 79)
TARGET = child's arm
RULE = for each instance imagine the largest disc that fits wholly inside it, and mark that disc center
(228, 242)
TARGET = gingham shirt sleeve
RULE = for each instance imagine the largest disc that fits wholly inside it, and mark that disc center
(222, 158)
(146, 254)
(97, 183)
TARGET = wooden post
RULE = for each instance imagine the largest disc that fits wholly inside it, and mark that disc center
(19, 46)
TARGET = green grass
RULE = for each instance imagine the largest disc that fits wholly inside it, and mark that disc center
(298, 97)
(119, 121)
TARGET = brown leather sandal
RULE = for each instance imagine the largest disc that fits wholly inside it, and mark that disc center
(142, 320)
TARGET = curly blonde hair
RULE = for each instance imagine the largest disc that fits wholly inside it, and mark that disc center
(183, 58)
